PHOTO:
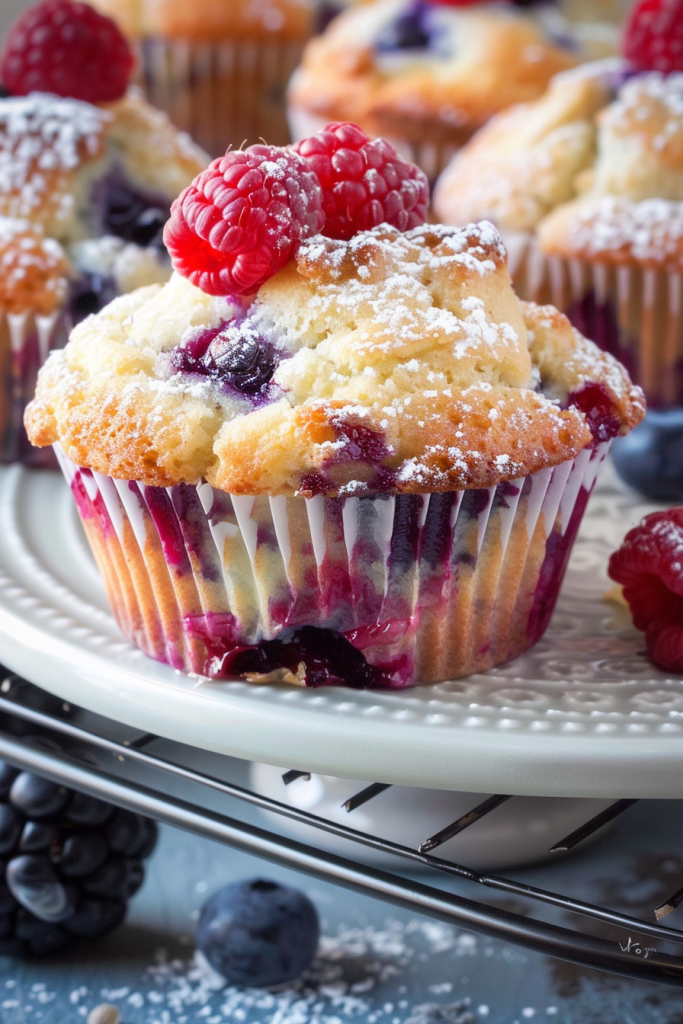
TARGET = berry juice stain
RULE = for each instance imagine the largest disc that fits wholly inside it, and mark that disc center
(597, 405)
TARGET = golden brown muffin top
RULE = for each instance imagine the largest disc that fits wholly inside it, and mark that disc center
(33, 269)
(211, 20)
(400, 362)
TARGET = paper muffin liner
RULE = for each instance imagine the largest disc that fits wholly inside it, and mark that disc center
(223, 93)
(432, 157)
(635, 313)
(427, 587)
(26, 340)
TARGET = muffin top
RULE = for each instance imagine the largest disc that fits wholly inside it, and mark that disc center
(390, 362)
(33, 269)
(212, 19)
(426, 72)
(61, 160)
(597, 171)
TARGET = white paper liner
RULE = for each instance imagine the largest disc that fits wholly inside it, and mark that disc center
(26, 340)
(429, 587)
(223, 93)
(633, 312)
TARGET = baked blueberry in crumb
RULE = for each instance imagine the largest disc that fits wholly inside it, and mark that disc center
(235, 356)
(408, 31)
(258, 933)
(127, 212)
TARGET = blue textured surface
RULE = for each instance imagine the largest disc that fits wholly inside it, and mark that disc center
(376, 964)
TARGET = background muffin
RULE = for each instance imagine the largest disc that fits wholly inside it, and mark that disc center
(426, 75)
(219, 68)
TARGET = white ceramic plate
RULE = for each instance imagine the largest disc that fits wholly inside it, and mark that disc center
(583, 714)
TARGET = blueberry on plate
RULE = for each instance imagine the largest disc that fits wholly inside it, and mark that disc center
(650, 458)
(69, 863)
(258, 933)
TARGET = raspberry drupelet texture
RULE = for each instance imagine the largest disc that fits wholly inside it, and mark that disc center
(649, 566)
(68, 49)
(653, 36)
(364, 182)
(239, 221)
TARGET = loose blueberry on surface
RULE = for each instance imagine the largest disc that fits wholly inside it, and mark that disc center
(7, 900)
(34, 883)
(36, 797)
(650, 458)
(258, 933)
(408, 31)
(41, 937)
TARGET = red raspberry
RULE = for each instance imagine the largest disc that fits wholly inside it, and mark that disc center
(653, 36)
(66, 48)
(649, 565)
(365, 182)
(240, 219)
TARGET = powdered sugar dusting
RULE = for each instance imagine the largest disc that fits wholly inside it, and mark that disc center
(650, 232)
(40, 136)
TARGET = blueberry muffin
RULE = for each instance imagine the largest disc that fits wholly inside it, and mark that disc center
(591, 206)
(427, 75)
(369, 472)
(218, 68)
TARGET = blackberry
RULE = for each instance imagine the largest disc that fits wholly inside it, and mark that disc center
(70, 864)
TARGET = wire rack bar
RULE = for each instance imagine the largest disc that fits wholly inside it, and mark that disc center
(121, 752)
(585, 950)
(603, 818)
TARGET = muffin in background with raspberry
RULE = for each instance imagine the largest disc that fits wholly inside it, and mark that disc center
(84, 162)
(426, 75)
(591, 201)
(219, 69)
(335, 448)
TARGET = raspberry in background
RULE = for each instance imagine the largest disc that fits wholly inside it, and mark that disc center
(653, 36)
(68, 49)
(649, 566)
(239, 221)
(364, 181)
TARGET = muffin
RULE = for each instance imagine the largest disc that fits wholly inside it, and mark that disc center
(91, 181)
(591, 207)
(370, 472)
(99, 181)
(220, 68)
(427, 76)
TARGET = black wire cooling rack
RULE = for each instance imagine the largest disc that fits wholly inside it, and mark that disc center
(40, 733)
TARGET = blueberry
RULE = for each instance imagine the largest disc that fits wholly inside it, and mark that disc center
(128, 212)
(408, 31)
(95, 917)
(118, 879)
(10, 828)
(7, 776)
(146, 847)
(89, 293)
(81, 854)
(126, 833)
(37, 836)
(258, 933)
(36, 797)
(235, 356)
(87, 810)
(34, 883)
(650, 458)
